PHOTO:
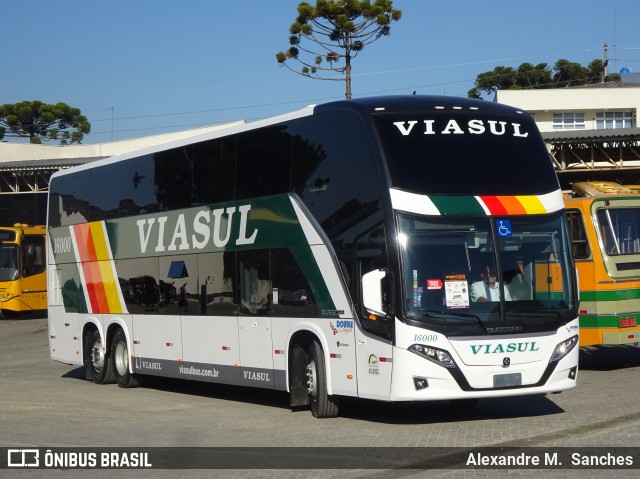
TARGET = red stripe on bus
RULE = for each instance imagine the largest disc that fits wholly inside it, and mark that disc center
(91, 269)
(103, 302)
(91, 287)
(494, 205)
(84, 240)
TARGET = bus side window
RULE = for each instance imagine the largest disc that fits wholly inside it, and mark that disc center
(174, 178)
(292, 295)
(254, 282)
(579, 243)
(263, 163)
(33, 255)
(217, 282)
(214, 170)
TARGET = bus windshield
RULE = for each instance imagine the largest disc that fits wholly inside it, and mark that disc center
(489, 271)
(620, 230)
(9, 262)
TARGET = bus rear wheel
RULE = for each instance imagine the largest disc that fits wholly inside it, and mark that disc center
(97, 364)
(120, 361)
(322, 405)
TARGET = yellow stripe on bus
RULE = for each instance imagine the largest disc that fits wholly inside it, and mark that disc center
(532, 204)
(106, 271)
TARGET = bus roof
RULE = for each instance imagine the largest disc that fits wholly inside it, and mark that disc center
(422, 103)
(589, 189)
(368, 105)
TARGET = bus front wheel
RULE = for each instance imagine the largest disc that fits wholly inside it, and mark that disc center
(120, 361)
(322, 405)
(97, 362)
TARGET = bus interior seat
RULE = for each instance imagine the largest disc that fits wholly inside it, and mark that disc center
(514, 281)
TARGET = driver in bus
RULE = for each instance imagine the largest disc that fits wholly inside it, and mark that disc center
(488, 289)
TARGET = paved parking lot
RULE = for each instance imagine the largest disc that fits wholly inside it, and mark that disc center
(48, 404)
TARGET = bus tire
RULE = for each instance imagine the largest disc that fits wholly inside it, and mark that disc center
(322, 405)
(10, 314)
(120, 360)
(97, 364)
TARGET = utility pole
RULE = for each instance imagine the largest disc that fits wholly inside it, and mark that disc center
(605, 73)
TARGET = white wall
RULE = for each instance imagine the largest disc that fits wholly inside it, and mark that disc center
(544, 103)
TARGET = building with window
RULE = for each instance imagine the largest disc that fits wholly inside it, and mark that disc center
(591, 131)
(600, 106)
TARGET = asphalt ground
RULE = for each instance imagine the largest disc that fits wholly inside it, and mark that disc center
(45, 404)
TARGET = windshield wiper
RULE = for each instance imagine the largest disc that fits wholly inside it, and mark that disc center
(440, 315)
(537, 312)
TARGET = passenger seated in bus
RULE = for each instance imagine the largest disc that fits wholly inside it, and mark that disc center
(488, 289)
(515, 283)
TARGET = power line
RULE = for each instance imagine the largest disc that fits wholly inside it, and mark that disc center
(211, 110)
(323, 99)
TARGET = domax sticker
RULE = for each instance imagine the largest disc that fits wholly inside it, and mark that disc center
(456, 291)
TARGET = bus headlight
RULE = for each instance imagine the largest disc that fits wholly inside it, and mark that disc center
(563, 349)
(438, 356)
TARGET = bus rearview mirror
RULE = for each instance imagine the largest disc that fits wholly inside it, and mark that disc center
(375, 292)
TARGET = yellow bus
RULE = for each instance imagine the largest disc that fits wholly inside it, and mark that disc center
(23, 281)
(604, 222)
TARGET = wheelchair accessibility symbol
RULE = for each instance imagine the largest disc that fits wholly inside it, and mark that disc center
(504, 228)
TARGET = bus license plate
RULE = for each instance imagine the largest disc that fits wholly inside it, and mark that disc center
(507, 380)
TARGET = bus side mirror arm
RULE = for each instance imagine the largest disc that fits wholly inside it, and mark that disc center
(376, 293)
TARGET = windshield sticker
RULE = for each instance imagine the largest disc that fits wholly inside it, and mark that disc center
(434, 284)
(504, 228)
(456, 292)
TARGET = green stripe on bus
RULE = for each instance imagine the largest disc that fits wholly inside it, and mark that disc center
(613, 295)
(603, 321)
(457, 205)
(269, 222)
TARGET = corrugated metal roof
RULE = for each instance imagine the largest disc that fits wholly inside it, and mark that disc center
(27, 165)
(582, 135)
(609, 84)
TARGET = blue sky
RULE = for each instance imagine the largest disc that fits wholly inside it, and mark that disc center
(156, 66)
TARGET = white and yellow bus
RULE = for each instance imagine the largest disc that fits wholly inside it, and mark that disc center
(604, 221)
(328, 252)
(23, 282)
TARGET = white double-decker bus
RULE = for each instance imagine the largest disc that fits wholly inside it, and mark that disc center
(394, 248)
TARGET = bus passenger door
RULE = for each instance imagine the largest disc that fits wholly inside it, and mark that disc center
(64, 339)
(375, 366)
(373, 349)
(254, 319)
(34, 281)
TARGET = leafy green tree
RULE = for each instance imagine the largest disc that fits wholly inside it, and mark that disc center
(532, 76)
(340, 30)
(39, 121)
(563, 74)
